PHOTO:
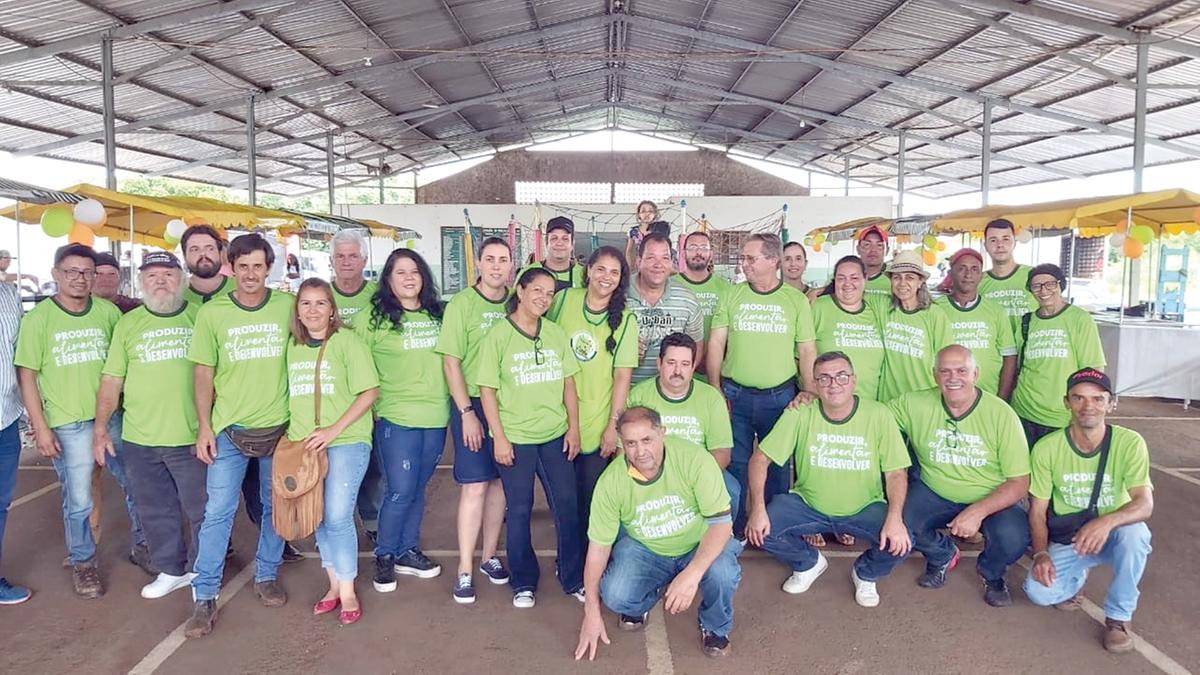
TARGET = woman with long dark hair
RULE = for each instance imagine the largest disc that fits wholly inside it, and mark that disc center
(846, 321)
(526, 383)
(603, 335)
(401, 333)
(470, 314)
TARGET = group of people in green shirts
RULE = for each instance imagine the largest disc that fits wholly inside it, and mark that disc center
(670, 417)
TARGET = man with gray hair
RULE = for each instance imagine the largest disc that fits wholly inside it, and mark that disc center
(973, 470)
(351, 291)
(148, 360)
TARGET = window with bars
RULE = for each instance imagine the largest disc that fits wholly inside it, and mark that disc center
(632, 193)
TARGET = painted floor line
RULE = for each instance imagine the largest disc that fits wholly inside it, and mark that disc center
(1178, 474)
(1154, 655)
(163, 650)
(1152, 417)
(551, 553)
(34, 495)
(37, 467)
(658, 647)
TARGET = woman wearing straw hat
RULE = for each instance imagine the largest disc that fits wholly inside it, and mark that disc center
(913, 329)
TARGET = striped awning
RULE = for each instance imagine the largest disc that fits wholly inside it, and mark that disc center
(32, 194)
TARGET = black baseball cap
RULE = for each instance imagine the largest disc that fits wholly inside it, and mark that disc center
(106, 258)
(160, 259)
(1090, 376)
(560, 223)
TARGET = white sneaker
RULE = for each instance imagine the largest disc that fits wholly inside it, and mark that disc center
(801, 581)
(165, 584)
(523, 600)
(864, 591)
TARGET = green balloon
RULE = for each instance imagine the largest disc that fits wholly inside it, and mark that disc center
(57, 221)
(1143, 233)
(930, 241)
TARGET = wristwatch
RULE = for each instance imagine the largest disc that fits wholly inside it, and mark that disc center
(465, 410)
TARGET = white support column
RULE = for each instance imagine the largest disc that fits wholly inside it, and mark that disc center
(846, 176)
(110, 115)
(900, 176)
(251, 153)
(329, 166)
(1139, 112)
(985, 155)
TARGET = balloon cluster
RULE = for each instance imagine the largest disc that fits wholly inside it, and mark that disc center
(173, 232)
(930, 247)
(1132, 240)
(815, 241)
(79, 224)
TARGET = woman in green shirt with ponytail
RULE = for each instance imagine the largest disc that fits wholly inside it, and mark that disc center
(914, 329)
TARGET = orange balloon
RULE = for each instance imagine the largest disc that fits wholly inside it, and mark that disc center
(82, 234)
(816, 248)
(941, 246)
(1123, 226)
(930, 258)
(1133, 248)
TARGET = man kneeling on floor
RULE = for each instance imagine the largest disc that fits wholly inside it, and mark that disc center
(841, 444)
(670, 498)
(1090, 499)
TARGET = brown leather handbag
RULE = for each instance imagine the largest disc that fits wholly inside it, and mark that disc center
(298, 478)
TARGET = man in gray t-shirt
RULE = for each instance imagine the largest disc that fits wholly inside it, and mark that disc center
(661, 305)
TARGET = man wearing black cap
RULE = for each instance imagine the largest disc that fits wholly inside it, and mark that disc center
(148, 361)
(1053, 342)
(559, 260)
(1090, 499)
(108, 283)
(1005, 282)
(980, 325)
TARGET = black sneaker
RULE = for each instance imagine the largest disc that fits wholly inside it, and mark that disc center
(385, 573)
(464, 590)
(714, 645)
(995, 593)
(416, 564)
(632, 623)
(291, 554)
(494, 570)
(140, 555)
(204, 615)
(935, 577)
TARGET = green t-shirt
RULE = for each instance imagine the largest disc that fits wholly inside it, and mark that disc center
(67, 350)
(709, 292)
(1056, 347)
(527, 372)
(572, 277)
(668, 514)
(1010, 292)
(764, 329)
(857, 335)
(196, 300)
(700, 417)
(412, 385)
(246, 348)
(355, 304)
(150, 351)
(879, 285)
(911, 341)
(587, 332)
(986, 330)
(838, 464)
(346, 371)
(963, 459)
(469, 316)
(1061, 470)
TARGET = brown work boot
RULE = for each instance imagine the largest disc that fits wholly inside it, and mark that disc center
(87, 582)
(1116, 636)
(270, 593)
(204, 615)
(1071, 604)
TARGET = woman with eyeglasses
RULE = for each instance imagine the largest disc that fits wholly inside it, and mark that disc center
(1052, 343)
(914, 329)
(603, 335)
(401, 333)
(527, 387)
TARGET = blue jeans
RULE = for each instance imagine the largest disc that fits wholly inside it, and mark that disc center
(1125, 552)
(791, 519)
(337, 539)
(637, 576)
(549, 463)
(753, 413)
(74, 467)
(1005, 533)
(168, 484)
(587, 473)
(409, 458)
(224, 485)
(370, 493)
(10, 455)
(735, 494)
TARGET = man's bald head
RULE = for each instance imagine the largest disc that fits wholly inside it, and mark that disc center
(956, 372)
(955, 353)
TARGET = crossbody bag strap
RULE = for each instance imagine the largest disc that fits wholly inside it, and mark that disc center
(317, 384)
(1025, 319)
(1098, 483)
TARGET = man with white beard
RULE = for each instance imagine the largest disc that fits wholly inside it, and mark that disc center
(148, 360)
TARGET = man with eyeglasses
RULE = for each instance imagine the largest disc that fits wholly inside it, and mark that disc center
(1052, 342)
(973, 469)
(980, 325)
(872, 247)
(559, 260)
(60, 352)
(841, 444)
(761, 328)
(699, 276)
(661, 304)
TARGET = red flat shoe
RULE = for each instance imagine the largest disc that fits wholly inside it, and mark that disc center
(350, 616)
(326, 606)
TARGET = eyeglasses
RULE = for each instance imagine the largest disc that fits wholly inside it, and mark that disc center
(1044, 286)
(539, 357)
(72, 274)
(842, 378)
(697, 248)
(953, 438)
(751, 259)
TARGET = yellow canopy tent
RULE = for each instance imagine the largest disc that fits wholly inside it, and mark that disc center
(1165, 211)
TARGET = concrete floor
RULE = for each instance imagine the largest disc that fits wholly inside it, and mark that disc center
(419, 629)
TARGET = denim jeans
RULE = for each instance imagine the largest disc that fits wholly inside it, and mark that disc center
(549, 463)
(791, 519)
(1125, 552)
(637, 576)
(587, 473)
(753, 413)
(74, 468)
(224, 484)
(1034, 432)
(735, 494)
(169, 485)
(1005, 533)
(370, 493)
(337, 539)
(409, 458)
(10, 455)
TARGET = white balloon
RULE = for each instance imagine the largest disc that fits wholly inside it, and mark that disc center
(90, 212)
(1117, 239)
(1025, 237)
(175, 229)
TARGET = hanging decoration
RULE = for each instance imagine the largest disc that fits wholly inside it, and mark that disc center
(173, 232)
(57, 221)
(82, 234)
(91, 213)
